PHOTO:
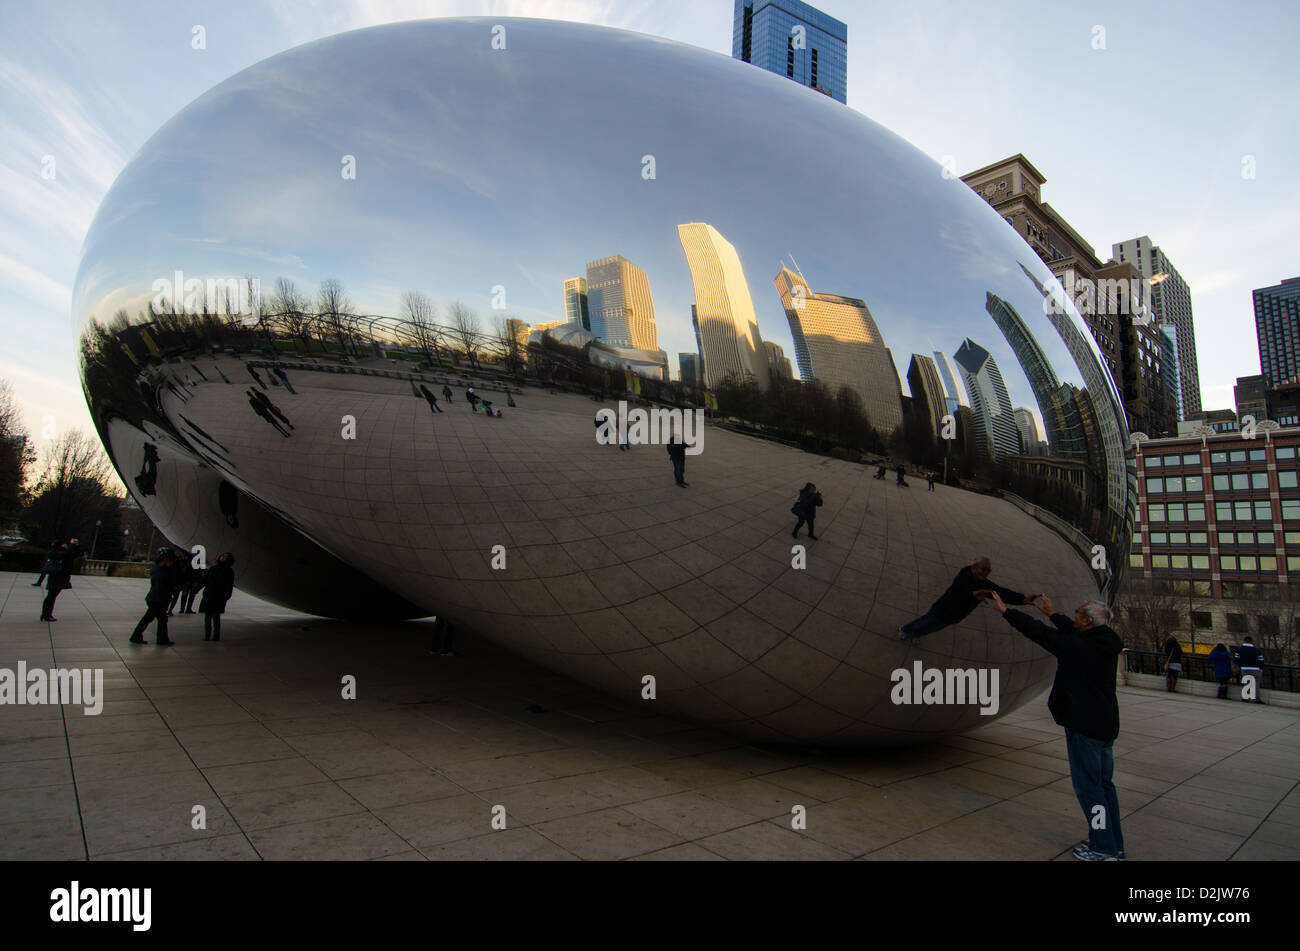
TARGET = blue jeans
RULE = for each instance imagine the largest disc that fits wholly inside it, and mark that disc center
(1092, 764)
(927, 623)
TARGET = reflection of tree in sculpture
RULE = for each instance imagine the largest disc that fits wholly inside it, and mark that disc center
(147, 480)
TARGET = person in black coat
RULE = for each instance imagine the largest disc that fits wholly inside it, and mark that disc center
(970, 587)
(48, 565)
(805, 509)
(677, 453)
(218, 585)
(1173, 663)
(430, 399)
(1222, 661)
(1251, 660)
(60, 575)
(1083, 702)
(162, 576)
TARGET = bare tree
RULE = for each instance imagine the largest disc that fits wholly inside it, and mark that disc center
(72, 484)
(465, 330)
(1149, 611)
(17, 453)
(289, 308)
(420, 328)
(334, 308)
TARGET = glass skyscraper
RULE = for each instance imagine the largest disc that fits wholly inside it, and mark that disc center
(794, 40)
(619, 303)
(725, 322)
(1277, 323)
(575, 302)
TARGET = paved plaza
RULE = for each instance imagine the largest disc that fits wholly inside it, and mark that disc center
(255, 730)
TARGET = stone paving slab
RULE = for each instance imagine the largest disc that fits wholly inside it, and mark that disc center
(435, 749)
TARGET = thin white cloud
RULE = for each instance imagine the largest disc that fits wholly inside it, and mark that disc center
(33, 285)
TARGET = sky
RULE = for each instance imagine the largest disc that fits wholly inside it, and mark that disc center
(1183, 127)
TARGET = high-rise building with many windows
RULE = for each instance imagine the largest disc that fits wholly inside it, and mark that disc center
(996, 432)
(1171, 305)
(1277, 323)
(619, 302)
(794, 40)
(837, 342)
(724, 316)
(575, 302)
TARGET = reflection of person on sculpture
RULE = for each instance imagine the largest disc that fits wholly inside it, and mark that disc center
(1083, 702)
(970, 587)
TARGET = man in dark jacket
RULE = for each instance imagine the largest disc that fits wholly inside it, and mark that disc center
(60, 575)
(1083, 701)
(1251, 660)
(967, 590)
(677, 453)
(162, 576)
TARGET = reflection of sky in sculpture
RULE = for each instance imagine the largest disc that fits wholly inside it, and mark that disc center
(479, 167)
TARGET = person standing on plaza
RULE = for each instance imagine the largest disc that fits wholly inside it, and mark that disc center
(1251, 660)
(1173, 663)
(1083, 701)
(161, 578)
(805, 509)
(1222, 661)
(677, 453)
(60, 576)
(218, 586)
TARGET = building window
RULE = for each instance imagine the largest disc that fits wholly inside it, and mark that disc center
(1267, 623)
(1194, 484)
(1155, 486)
(1218, 458)
(1159, 561)
(1237, 624)
(1192, 459)
(1203, 620)
(1221, 483)
(1200, 562)
(1228, 562)
(1285, 452)
(1156, 513)
(1287, 479)
(1196, 511)
(1240, 481)
(1267, 563)
(1135, 561)
(1259, 480)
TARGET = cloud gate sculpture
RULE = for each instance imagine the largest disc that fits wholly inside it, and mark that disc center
(354, 314)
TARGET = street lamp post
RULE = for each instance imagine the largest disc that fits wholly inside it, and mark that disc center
(94, 541)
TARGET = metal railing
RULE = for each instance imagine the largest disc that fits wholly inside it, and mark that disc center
(1197, 667)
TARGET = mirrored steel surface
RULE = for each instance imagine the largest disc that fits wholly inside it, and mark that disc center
(712, 209)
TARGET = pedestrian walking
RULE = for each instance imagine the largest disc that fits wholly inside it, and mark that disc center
(929, 478)
(805, 509)
(677, 453)
(1222, 661)
(1083, 702)
(161, 578)
(218, 586)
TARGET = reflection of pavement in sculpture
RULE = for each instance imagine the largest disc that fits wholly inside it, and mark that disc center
(612, 572)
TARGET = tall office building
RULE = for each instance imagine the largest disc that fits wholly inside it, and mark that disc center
(837, 342)
(726, 324)
(575, 302)
(1277, 323)
(1171, 305)
(622, 312)
(690, 374)
(778, 364)
(1169, 365)
(955, 391)
(1028, 426)
(927, 392)
(996, 432)
(794, 40)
